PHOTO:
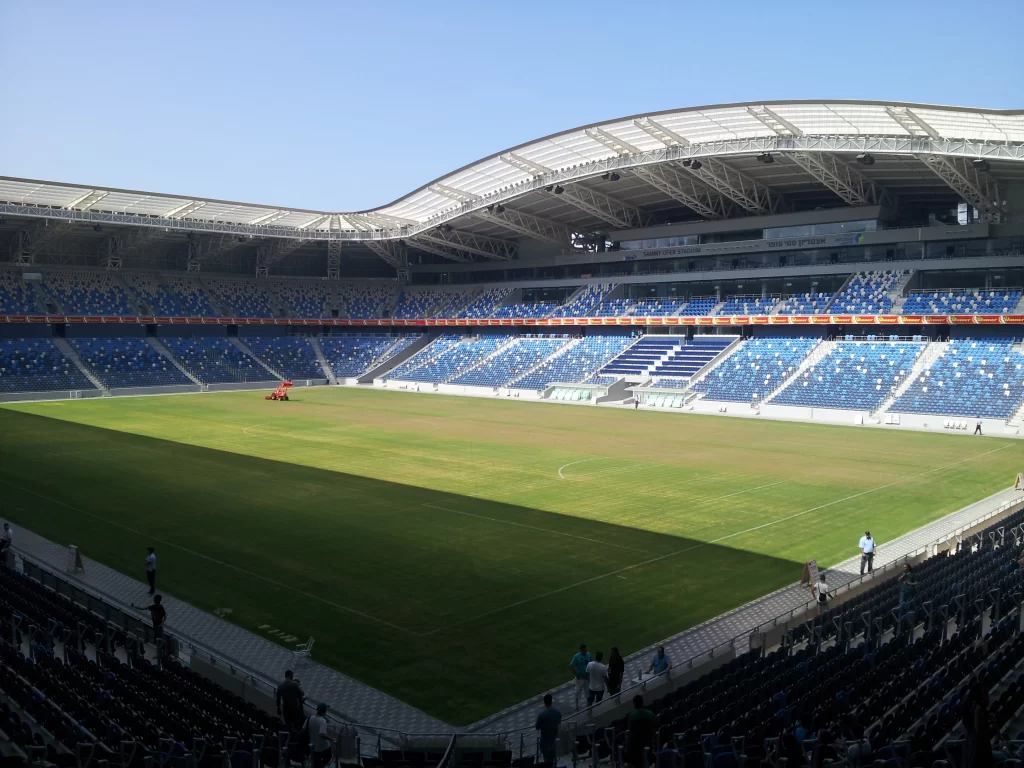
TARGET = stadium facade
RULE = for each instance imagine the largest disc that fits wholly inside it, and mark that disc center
(835, 222)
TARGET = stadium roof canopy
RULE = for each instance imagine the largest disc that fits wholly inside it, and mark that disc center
(712, 162)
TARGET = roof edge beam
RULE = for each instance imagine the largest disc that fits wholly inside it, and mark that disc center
(526, 166)
(780, 125)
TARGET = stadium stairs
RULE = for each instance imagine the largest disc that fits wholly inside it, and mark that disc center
(319, 352)
(558, 353)
(711, 365)
(70, 353)
(923, 363)
(390, 363)
(510, 342)
(243, 347)
(898, 292)
(816, 355)
(159, 347)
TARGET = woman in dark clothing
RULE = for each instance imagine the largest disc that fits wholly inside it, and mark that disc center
(616, 670)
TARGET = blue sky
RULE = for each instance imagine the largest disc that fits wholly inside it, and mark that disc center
(344, 106)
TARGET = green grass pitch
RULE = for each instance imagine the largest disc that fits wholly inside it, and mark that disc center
(454, 551)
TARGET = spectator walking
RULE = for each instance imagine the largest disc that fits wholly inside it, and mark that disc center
(597, 679)
(151, 570)
(5, 543)
(579, 667)
(867, 552)
(289, 700)
(639, 734)
(661, 662)
(821, 593)
(548, 721)
(319, 744)
(908, 591)
(616, 671)
(977, 428)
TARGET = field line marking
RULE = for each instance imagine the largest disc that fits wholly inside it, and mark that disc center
(581, 461)
(221, 563)
(659, 558)
(740, 493)
(535, 528)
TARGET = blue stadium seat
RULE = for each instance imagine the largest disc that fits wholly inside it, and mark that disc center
(88, 293)
(241, 298)
(36, 365)
(351, 356)
(580, 360)
(127, 362)
(17, 296)
(965, 302)
(291, 356)
(513, 361)
(757, 368)
(215, 360)
(867, 293)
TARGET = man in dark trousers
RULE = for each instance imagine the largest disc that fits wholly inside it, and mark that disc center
(289, 701)
(151, 570)
(977, 429)
(548, 721)
(159, 616)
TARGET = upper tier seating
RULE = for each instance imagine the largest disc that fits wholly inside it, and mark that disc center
(613, 308)
(36, 365)
(351, 356)
(485, 304)
(582, 303)
(310, 300)
(657, 307)
(644, 355)
(448, 360)
(127, 362)
(961, 302)
(88, 293)
(291, 356)
(693, 356)
(364, 301)
(215, 360)
(804, 304)
(699, 306)
(747, 305)
(579, 361)
(416, 304)
(754, 370)
(17, 296)
(867, 293)
(241, 298)
(527, 309)
(512, 361)
(853, 375)
(172, 296)
(982, 378)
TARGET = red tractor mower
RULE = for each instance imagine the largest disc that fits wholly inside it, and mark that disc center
(281, 393)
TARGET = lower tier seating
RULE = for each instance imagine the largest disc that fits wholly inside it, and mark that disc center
(576, 363)
(512, 361)
(855, 375)
(351, 356)
(132, 362)
(36, 365)
(757, 368)
(291, 356)
(215, 360)
(982, 378)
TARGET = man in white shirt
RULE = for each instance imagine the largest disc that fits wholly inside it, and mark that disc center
(597, 679)
(821, 593)
(319, 744)
(5, 543)
(867, 552)
(977, 429)
(151, 571)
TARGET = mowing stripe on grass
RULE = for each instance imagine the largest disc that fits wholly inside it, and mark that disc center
(221, 563)
(659, 558)
(534, 528)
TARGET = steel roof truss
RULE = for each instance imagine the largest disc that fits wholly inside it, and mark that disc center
(524, 165)
(604, 207)
(527, 224)
(738, 187)
(691, 193)
(976, 188)
(842, 178)
(656, 130)
(615, 144)
(469, 242)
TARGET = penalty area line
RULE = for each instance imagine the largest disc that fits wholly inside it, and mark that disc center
(221, 563)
